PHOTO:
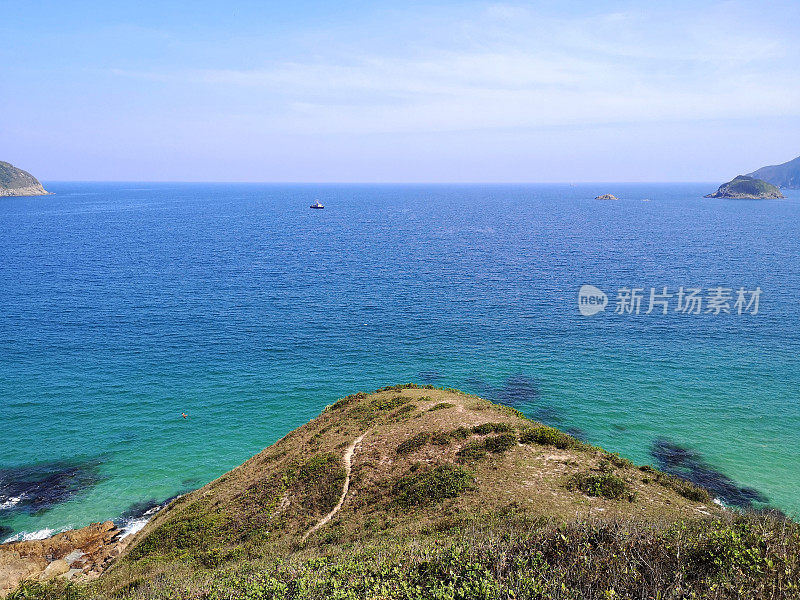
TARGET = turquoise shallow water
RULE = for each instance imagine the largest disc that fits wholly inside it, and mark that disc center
(124, 305)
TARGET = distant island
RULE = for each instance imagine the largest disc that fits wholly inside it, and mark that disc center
(785, 176)
(746, 188)
(606, 197)
(16, 182)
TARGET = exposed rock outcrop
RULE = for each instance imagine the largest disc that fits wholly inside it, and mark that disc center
(76, 553)
(607, 197)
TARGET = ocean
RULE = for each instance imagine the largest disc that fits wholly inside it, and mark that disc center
(126, 305)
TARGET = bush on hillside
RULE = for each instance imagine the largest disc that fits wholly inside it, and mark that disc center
(429, 487)
(413, 443)
(549, 436)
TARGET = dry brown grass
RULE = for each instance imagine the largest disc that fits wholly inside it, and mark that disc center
(260, 510)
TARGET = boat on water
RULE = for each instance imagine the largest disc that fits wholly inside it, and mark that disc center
(317, 205)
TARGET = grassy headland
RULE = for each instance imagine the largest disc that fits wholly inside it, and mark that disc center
(450, 496)
(16, 182)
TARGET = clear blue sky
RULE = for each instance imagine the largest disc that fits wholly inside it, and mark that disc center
(399, 91)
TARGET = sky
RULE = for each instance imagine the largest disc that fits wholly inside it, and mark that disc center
(308, 91)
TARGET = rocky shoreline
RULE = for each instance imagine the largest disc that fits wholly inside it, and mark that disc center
(32, 190)
(75, 554)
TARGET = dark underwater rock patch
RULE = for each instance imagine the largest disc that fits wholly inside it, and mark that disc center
(431, 376)
(144, 508)
(191, 484)
(518, 389)
(577, 433)
(690, 465)
(37, 488)
(547, 415)
(139, 509)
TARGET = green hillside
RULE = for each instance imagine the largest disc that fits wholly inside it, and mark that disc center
(743, 187)
(16, 182)
(414, 492)
(786, 175)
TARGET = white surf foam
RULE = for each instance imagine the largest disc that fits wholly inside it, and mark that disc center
(25, 536)
(10, 503)
(131, 526)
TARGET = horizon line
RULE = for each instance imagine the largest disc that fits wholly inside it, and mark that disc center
(246, 182)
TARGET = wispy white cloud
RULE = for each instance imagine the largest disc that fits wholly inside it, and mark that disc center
(509, 66)
(455, 91)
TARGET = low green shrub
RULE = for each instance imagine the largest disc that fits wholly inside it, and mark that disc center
(404, 410)
(606, 485)
(472, 451)
(724, 548)
(414, 443)
(685, 488)
(732, 558)
(342, 402)
(57, 589)
(398, 388)
(441, 438)
(193, 534)
(479, 449)
(390, 403)
(461, 433)
(435, 485)
(618, 461)
(511, 411)
(441, 406)
(487, 428)
(549, 436)
(500, 443)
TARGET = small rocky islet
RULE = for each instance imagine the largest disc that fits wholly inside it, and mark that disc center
(743, 187)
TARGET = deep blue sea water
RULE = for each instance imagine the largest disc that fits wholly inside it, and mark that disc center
(124, 305)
